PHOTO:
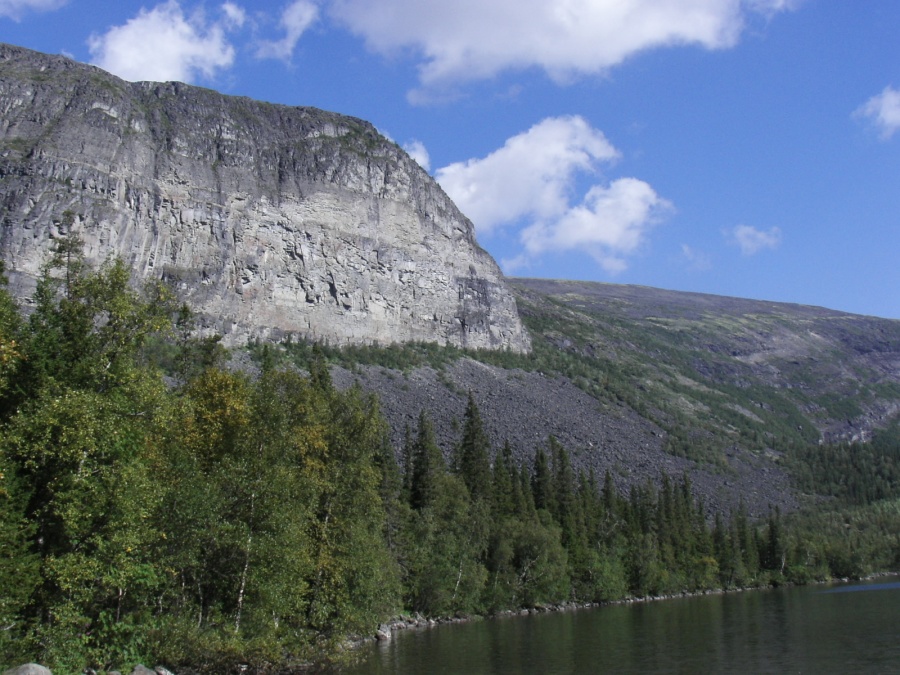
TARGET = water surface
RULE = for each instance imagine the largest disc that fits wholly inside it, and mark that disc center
(840, 629)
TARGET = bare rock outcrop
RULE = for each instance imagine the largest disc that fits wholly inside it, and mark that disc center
(270, 220)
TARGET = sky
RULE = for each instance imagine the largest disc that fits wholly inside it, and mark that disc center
(748, 148)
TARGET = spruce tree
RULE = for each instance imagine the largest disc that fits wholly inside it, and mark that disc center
(542, 482)
(564, 502)
(407, 459)
(504, 482)
(428, 466)
(473, 454)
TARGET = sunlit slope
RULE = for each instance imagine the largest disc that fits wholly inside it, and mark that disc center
(715, 371)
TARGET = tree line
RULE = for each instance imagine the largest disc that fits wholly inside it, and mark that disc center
(213, 518)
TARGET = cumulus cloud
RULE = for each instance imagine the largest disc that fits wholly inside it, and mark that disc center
(532, 174)
(530, 183)
(16, 9)
(472, 39)
(418, 151)
(295, 20)
(163, 44)
(610, 224)
(752, 240)
(883, 111)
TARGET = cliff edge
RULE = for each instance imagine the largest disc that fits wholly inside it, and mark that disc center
(269, 220)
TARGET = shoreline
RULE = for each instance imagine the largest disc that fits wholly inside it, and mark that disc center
(387, 631)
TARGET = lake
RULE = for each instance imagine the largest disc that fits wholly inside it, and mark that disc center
(853, 628)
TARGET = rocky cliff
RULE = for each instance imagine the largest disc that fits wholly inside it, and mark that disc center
(270, 220)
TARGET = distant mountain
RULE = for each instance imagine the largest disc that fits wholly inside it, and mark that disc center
(789, 373)
(641, 381)
(270, 220)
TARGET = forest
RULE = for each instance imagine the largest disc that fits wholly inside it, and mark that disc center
(156, 506)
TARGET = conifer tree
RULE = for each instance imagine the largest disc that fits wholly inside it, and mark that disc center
(428, 466)
(524, 495)
(505, 482)
(473, 454)
(774, 553)
(407, 455)
(565, 503)
(746, 540)
(542, 482)
(610, 496)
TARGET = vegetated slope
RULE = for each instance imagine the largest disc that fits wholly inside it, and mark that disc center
(643, 381)
(765, 374)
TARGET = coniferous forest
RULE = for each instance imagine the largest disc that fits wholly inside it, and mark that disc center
(157, 506)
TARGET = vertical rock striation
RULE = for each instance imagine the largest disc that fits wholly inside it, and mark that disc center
(268, 219)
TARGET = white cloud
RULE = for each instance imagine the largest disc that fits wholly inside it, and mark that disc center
(532, 180)
(295, 20)
(772, 7)
(234, 14)
(163, 44)
(418, 151)
(696, 260)
(610, 224)
(883, 111)
(532, 174)
(16, 9)
(473, 39)
(752, 240)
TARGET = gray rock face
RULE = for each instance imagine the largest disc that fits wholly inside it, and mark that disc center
(268, 219)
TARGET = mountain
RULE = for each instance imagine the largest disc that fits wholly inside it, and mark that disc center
(641, 381)
(270, 220)
(792, 372)
(275, 221)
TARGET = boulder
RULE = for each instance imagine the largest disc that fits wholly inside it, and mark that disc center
(28, 669)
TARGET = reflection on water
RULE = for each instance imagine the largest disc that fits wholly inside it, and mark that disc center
(791, 630)
(856, 588)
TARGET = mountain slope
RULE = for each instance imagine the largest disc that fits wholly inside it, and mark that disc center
(641, 381)
(793, 373)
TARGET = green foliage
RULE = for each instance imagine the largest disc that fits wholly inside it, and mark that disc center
(428, 467)
(854, 473)
(403, 357)
(447, 541)
(78, 443)
(473, 454)
(234, 515)
(10, 347)
(18, 565)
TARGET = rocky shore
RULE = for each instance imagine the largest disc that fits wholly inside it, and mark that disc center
(387, 631)
(411, 622)
(35, 669)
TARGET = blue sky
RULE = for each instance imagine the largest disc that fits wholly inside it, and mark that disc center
(735, 147)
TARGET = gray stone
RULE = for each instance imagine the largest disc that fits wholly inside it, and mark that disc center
(269, 220)
(141, 669)
(28, 669)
